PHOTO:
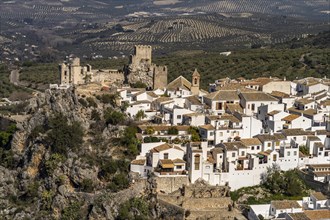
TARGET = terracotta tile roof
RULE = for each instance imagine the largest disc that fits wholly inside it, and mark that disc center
(321, 132)
(163, 127)
(298, 216)
(285, 204)
(319, 145)
(310, 112)
(250, 141)
(152, 94)
(193, 114)
(161, 148)
(272, 113)
(166, 163)
(138, 162)
(194, 100)
(293, 132)
(234, 86)
(290, 117)
(322, 173)
(207, 127)
(324, 165)
(325, 102)
(177, 160)
(179, 82)
(229, 117)
(163, 99)
(233, 146)
(257, 96)
(269, 137)
(313, 138)
(304, 101)
(279, 94)
(319, 196)
(234, 108)
(226, 95)
(318, 214)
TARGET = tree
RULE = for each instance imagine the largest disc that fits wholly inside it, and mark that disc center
(194, 133)
(304, 149)
(139, 84)
(113, 117)
(64, 137)
(140, 115)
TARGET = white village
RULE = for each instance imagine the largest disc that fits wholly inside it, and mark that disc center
(226, 136)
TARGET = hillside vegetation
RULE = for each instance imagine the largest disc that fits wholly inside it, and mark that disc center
(289, 63)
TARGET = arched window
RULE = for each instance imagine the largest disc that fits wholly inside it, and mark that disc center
(195, 81)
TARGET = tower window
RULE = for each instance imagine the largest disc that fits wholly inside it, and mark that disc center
(195, 81)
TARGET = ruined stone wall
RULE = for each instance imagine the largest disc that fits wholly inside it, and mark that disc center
(206, 203)
(171, 184)
(108, 77)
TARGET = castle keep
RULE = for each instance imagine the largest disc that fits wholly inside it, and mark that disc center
(141, 68)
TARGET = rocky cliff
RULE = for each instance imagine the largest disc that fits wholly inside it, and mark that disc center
(66, 161)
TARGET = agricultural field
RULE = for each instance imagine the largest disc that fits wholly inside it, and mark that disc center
(252, 63)
(105, 28)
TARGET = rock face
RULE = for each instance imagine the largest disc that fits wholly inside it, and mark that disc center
(45, 184)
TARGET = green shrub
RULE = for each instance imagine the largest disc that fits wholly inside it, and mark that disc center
(83, 102)
(72, 211)
(139, 204)
(113, 117)
(91, 102)
(87, 185)
(173, 131)
(64, 137)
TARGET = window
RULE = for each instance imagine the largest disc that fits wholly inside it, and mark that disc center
(248, 106)
(179, 167)
(220, 106)
(197, 161)
(195, 81)
(165, 155)
(295, 138)
(253, 107)
(294, 153)
(269, 144)
(220, 156)
(233, 154)
(258, 147)
(242, 153)
(178, 116)
(252, 148)
(274, 157)
(288, 153)
(211, 133)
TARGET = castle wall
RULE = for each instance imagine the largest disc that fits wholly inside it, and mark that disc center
(171, 184)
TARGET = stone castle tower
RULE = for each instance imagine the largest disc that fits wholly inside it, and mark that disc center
(195, 82)
(142, 69)
(73, 73)
(141, 56)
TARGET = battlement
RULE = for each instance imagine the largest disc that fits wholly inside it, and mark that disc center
(142, 54)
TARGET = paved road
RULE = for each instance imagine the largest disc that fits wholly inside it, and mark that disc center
(14, 77)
